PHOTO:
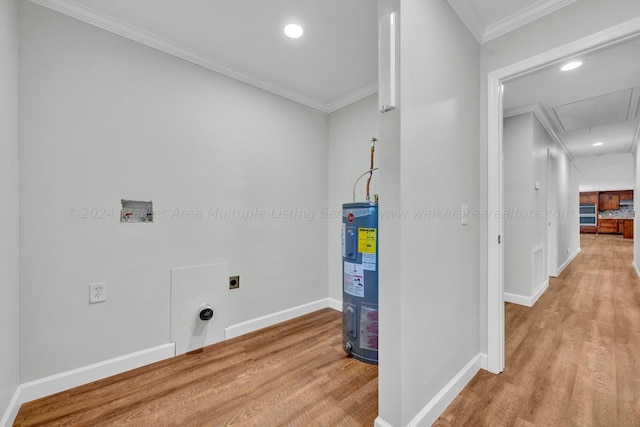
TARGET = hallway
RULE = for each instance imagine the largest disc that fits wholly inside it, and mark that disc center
(572, 359)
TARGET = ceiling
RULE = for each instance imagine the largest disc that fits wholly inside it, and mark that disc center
(335, 62)
(332, 65)
(597, 102)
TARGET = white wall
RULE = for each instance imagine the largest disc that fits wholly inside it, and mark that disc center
(434, 322)
(104, 118)
(9, 288)
(610, 172)
(350, 132)
(390, 384)
(526, 143)
(9, 282)
(520, 228)
(546, 33)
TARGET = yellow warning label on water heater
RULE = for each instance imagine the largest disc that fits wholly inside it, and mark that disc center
(367, 240)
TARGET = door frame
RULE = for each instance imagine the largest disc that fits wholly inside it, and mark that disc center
(495, 255)
(552, 208)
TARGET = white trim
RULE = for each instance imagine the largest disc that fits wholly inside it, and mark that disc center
(430, 413)
(523, 17)
(379, 422)
(93, 17)
(335, 304)
(537, 110)
(11, 412)
(76, 377)
(527, 301)
(495, 320)
(495, 253)
(469, 17)
(568, 261)
(483, 361)
(484, 33)
(274, 318)
(349, 99)
(636, 268)
(616, 34)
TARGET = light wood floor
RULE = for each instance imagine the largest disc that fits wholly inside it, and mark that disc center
(573, 359)
(293, 374)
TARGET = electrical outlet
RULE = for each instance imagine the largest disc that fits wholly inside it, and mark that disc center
(97, 292)
(234, 282)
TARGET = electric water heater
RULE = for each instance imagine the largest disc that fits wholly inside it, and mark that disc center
(360, 280)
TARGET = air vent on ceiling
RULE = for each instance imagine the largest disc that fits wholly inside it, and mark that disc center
(614, 107)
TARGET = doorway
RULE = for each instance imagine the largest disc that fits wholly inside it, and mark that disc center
(495, 190)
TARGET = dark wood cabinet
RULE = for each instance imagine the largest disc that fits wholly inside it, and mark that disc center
(627, 228)
(589, 197)
(609, 201)
(588, 230)
(626, 195)
(608, 226)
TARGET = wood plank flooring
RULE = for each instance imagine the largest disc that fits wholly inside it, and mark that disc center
(573, 359)
(293, 374)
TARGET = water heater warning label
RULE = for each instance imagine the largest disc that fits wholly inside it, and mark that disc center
(367, 240)
(354, 279)
(369, 327)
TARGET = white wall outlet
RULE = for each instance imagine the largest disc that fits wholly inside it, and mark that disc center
(97, 292)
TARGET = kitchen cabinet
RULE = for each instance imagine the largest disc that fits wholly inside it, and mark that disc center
(608, 226)
(626, 195)
(589, 197)
(609, 201)
(627, 228)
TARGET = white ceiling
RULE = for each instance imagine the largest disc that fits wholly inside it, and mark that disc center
(597, 102)
(332, 65)
(335, 62)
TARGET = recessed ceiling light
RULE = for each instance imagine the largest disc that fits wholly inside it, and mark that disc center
(598, 144)
(293, 30)
(571, 65)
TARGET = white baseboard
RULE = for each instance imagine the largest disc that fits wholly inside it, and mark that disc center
(379, 422)
(12, 410)
(430, 413)
(527, 301)
(335, 304)
(274, 318)
(636, 267)
(568, 261)
(32, 390)
(483, 361)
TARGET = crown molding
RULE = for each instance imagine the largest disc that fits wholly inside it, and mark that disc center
(472, 20)
(469, 17)
(359, 94)
(523, 17)
(82, 13)
(537, 111)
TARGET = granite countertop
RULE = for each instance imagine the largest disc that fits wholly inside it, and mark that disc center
(623, 213)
